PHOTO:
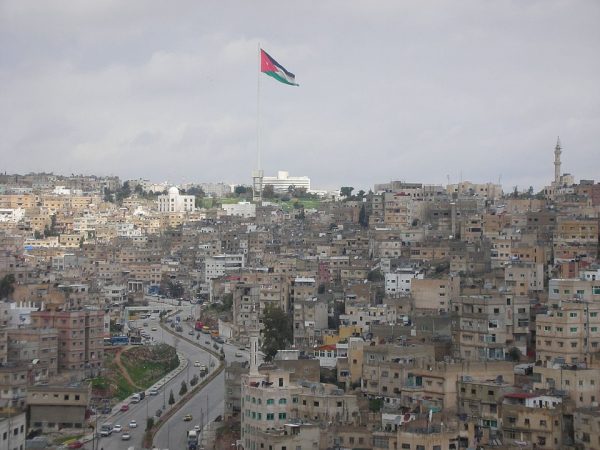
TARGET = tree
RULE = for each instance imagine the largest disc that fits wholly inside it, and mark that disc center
(171, 398)
(7, 285)
(183, 390)
(514, 354)
(194, 380)
(346, 191)
(277, 331)
(268, 191)
(363, 218)
(239, 190)
(375, 275)
(149, 423)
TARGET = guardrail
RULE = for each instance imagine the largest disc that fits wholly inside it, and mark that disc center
(150, 434)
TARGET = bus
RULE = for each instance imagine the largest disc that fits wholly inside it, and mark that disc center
(119, 340)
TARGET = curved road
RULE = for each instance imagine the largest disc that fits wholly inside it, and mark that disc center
(148, 407)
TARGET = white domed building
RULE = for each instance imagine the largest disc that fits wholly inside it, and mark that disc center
(173, 201)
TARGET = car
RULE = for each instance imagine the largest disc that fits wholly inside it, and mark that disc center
(124, 408)
(132, 424)
(125, 436)
(207, 342)
(145, 324)
(197, 364)
(117, 428)
(238, 355)
(191, 332)
(153, 328)
(158, 412)
(197, 427)
(153, 391)
(106, 410)
(188, 418)
(75, 444)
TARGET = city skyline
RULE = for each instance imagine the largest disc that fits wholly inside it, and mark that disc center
(439, 91)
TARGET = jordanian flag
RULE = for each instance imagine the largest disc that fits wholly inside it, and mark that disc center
(272, 68)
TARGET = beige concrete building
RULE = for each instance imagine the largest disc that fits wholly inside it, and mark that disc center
(587, 428)
(52, 408)
(568, 334)
(435, 294)
(582, 385)
(272, 406)
(80, 338)
(535, 420)
(39, 348)
(485, 327)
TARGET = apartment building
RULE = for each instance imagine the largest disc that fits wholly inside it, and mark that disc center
(486, 327)
(480, 400)
(435, 294)
(309, 321)
(80, 337)
(52, 408)
(524, 278)
(435, 384)
(568, 334)
(36, 347)
(581, 384)
(271, 402)
(218, 265)
(174, 202)
(13, 430)
(536, 420)
(400, 281)
(587, 428)
(564, 289)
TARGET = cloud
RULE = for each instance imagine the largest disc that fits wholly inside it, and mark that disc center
(402, 90)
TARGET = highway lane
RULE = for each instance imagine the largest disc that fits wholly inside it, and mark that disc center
(151, 404)
(173, 434)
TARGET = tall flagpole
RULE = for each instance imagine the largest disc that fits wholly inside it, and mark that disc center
(257, 175)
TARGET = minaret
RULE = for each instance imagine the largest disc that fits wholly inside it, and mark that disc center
(557, 152)
(254, 354)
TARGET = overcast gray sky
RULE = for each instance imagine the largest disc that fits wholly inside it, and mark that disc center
(409, 90)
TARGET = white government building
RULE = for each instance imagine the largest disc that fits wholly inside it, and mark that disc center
(175, 202)
(283, 181)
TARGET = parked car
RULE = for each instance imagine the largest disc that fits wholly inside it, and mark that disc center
(191, 332)
(158, 412)
(238, 355)
(153, 391)
(124, 408)
(153, 328)
(75, 444)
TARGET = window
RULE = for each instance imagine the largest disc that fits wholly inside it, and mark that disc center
(270, 416)
(282, 416)
(270, 401)
(282, 401)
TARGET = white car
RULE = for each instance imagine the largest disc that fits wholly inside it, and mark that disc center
(117, 428)
(197, 364)
(153, 391)
(132, 424)
(197, 427)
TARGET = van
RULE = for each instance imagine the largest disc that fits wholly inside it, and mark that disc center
(523, 369)
(106, 429)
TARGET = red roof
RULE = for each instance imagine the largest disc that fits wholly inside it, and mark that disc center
(326, 347)
(520, 395)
